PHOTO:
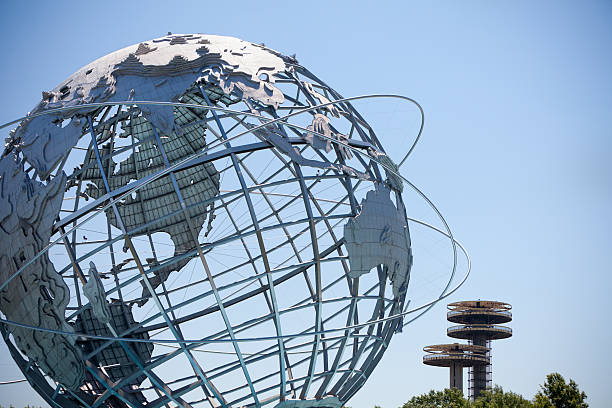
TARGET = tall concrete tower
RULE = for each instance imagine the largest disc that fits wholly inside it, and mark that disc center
(479, 324)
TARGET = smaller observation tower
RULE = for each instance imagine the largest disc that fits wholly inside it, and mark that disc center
(479, 324)
(456, 356)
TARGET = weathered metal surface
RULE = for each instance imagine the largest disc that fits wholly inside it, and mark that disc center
(38, 296)
(94, 291)
(379, 235)
(149, 203)
(159, 70)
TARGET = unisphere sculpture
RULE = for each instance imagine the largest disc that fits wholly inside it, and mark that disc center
(198, 220)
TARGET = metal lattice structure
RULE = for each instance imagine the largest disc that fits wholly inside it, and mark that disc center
(224, 231)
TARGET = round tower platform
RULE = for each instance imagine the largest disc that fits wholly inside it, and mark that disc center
(483, 331)
(479, 311)
(445, 355)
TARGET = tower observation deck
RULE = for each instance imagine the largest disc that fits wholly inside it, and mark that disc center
(479, 323)
(455, 356)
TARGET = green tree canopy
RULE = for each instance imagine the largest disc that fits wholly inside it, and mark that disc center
(449, 398)
(497, 398)
(556, 393)
(453, 398)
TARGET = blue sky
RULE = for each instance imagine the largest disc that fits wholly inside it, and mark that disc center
(516, 148)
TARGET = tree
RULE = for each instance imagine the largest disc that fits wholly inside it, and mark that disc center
(449, 398)
(497, 398)
(556, 393)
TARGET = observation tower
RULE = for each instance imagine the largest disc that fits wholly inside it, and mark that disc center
(456, 356)
(479, 323)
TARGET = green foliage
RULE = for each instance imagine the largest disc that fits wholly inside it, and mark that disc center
(542, 401)
(453, 398)
(497, 398)
(556, 393)
(449, 398)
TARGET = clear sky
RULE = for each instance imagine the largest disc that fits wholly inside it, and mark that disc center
(516, 148)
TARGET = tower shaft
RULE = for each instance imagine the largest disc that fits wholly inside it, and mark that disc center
(478, 379)
(456, 376)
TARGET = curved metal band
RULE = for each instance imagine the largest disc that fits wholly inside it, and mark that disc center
(266, 121)
(287, 336)
(297, 112)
